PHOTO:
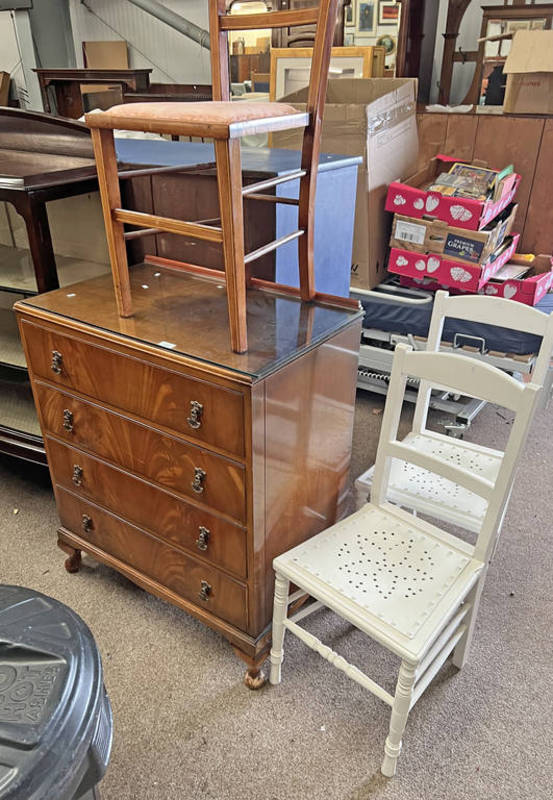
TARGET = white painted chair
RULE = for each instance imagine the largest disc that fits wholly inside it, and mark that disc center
(414, 487)
(405, 583)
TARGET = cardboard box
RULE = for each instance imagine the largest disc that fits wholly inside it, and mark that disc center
(528, 290)
(374, 118)
(411, 198)
(529, 70)
(4, 88)
(435, 236)
(447, 272)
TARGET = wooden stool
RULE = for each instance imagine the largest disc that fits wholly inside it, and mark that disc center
(225, 122)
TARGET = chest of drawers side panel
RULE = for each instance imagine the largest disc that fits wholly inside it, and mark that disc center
(309, 410)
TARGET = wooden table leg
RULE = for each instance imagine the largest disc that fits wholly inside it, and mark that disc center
(34, 214)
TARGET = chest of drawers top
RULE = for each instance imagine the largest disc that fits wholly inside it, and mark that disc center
(183, 318)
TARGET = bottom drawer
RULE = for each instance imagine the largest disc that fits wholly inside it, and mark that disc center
(193, 580)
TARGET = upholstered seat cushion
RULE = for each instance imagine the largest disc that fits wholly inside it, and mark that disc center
(218, 119)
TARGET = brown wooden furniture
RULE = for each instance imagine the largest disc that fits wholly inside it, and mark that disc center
(66, 85)
(225, 122)
(304, 35)
(41, 159)
(499, 140)
(183, 465)
(516, 11)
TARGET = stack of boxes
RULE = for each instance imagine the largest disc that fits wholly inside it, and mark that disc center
(452, 230)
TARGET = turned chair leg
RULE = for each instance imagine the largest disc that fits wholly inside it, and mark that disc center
(400, 712)
(229, 181)
(461, 651)
(282, 588)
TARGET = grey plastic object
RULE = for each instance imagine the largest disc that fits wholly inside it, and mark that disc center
(55, 717)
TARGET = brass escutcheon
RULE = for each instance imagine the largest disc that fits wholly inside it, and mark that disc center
(205, 591)
(56, 361)
(198, 482)
(203, 538)
(196, 411)
(77, 475)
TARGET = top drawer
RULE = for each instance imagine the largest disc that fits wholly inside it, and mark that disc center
(203, 411)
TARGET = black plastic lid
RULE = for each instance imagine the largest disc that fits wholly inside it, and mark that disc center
(52, 700)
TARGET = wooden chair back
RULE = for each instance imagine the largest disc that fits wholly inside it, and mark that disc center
(454, 372)
(490, 311)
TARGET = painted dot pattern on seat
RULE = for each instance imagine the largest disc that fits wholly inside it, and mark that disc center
(412, 481)
(394, 570)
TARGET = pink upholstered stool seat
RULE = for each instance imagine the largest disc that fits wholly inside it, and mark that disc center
(219, 119)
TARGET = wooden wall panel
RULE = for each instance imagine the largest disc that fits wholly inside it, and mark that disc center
(460, 137)
(538, 230)
(432, 135)
(505, 140)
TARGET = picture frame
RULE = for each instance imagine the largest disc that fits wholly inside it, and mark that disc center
(290, 67)
(366, 17)
(388, 42)
(388, 13)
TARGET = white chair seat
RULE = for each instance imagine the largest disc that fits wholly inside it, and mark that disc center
(431, 494)
(391, 575)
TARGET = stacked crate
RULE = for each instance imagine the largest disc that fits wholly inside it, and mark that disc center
(444, 241)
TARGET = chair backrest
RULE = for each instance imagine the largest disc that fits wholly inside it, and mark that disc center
(454, 372)
(221, 23)
(491, 311)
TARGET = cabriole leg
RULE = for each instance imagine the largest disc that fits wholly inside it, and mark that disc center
(280, 608)
(73, 563)
(400, 712)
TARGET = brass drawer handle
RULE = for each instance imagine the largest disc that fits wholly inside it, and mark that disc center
(67, 419)
(203, 538)
(205, 591)
(57, 359)
(196, 411)
(86, 523)
(77, 475)
(198, 482)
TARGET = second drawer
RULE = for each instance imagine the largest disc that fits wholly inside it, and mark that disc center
(168, 516)
(205, 477)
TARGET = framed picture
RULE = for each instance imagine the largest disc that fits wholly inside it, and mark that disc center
(366, 17)
(388, 13)
(290, 67)
(388, 43)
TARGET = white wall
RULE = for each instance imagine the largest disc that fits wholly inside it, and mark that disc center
(173, 57)
(9, 53)
(468, 34)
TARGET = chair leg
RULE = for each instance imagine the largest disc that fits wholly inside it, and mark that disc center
(110, 193)
(282, 588)
(400, 712)
(229, 181)
(461, 651)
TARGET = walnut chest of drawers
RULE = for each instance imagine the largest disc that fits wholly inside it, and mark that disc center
(183, 465)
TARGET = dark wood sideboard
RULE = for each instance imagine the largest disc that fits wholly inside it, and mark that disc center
(183, 465)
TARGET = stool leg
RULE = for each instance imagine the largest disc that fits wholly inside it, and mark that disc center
(106, 164)
(229, 181)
